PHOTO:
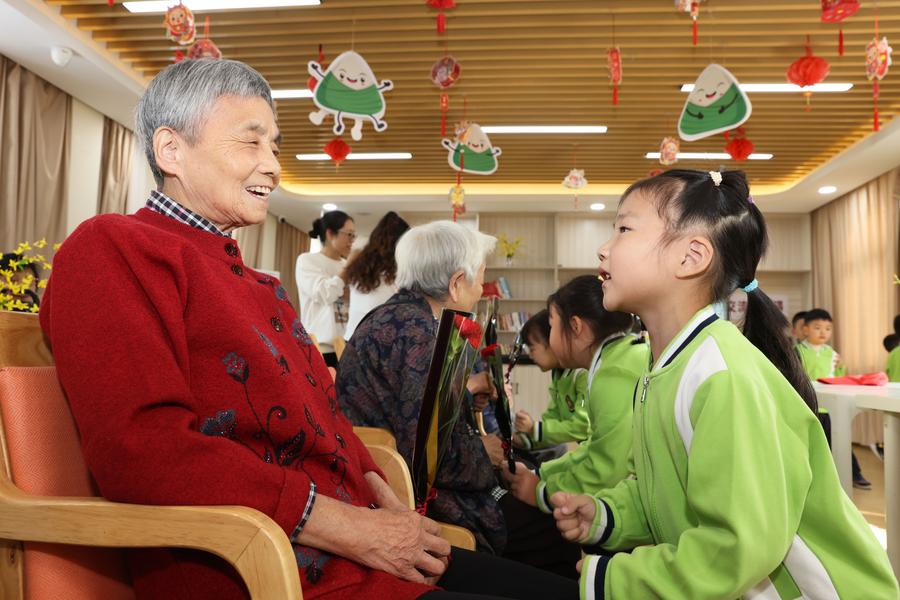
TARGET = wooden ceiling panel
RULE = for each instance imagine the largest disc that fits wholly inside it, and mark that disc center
(540, 62)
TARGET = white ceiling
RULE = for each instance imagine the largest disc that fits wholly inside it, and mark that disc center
(28, 28)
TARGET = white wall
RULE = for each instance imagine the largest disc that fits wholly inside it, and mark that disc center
(141, 180)
(85, 147)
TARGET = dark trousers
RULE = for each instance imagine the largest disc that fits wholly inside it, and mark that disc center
(481, 576)
(331, 359)
(533, 539)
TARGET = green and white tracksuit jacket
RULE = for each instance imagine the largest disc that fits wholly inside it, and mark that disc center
(566, 417)
(736, 494)
(819, 362)
(603, 460)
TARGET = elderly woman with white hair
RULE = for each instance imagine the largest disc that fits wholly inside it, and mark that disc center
(382, 379)
(195, 382)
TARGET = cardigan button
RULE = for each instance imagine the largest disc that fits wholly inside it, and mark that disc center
(231, 249)
(277, 324)
(237, 270)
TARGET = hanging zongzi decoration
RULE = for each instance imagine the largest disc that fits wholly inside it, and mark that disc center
(348, 88)
(471, 151)
(716, 104)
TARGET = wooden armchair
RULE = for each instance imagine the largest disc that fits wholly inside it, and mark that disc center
(47, 499)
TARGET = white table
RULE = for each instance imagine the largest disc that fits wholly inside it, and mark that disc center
(847, 400)
(840, 401)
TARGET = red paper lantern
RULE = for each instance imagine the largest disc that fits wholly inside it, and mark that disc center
(441, 5)
(808, 70)
(738, 146)
(835, 11)
(338, 150)
(614, 64)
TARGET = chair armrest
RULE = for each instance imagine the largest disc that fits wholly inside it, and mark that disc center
(254, 544)
(457, 536)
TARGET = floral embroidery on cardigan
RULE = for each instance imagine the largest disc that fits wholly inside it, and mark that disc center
(280, 360)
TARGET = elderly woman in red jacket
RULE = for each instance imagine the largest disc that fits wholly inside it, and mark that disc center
(192, 380)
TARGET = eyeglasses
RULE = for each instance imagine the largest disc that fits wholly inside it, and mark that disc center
(349, 234)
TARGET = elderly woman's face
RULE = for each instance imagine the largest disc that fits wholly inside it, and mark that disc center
(233, 167)
(464, 294)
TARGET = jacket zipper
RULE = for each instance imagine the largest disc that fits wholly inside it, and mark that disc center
(654, 520)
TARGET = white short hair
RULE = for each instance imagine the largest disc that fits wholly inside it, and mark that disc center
(428, 256)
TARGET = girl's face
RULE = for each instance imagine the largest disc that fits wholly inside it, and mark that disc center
(541, 354)
(572, 348)
(635, 267)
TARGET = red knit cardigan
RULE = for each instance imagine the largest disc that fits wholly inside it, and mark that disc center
(193, 382)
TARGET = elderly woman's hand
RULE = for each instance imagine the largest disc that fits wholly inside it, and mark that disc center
(384, 495)
(522, 484)
(404, 544)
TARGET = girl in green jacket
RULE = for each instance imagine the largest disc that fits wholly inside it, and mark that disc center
(585, 335)
(735, 492)
(566, 418)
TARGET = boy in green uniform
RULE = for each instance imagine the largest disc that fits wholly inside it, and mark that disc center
(821, 360)
(735, 493)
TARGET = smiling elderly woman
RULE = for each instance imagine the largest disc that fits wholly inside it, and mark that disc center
(196, 383)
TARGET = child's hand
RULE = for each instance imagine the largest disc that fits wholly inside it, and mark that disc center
(522, 484)
(524, 422)
(574, 514)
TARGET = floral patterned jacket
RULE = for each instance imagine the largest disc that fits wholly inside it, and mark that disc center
(380, 383)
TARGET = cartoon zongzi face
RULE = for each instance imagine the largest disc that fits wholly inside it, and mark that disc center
(349, 88)
(716, 104)
(471, 151)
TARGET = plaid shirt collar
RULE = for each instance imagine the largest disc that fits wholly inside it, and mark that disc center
(164, 205)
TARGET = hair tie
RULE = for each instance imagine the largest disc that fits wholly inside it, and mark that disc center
(716, 177)
(750, 286)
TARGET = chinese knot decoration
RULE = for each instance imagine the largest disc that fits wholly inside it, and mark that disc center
(835, 11)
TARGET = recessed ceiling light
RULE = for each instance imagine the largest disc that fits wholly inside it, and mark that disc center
(291, 94)
(711, 156)
(598, 206)
(544, 128)
(360, 156)
(827, 189)
(161, 6)
(784, 87)
(329, 206)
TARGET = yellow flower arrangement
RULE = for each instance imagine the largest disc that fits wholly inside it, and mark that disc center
(11, 290)
(508, 247)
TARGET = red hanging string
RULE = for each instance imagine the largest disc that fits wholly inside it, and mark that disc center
(441, 22)
(321, 54)
(445, 106)
(615, 94)
(876, 89)
(695, 8)
(841, 41)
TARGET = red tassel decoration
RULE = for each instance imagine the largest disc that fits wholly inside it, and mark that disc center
(615, 95)
(110, 2)
(441, 23)
(876, 126)
(695, 32)
(445, 106)
(695, 11)
(841, 41)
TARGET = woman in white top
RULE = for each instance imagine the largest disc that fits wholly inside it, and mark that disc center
(323, 291)
(370, 274)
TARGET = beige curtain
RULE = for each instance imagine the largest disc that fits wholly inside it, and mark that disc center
(290, 242)
(34, 132)
(856, 251)
(249, 239)
(115, 168)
